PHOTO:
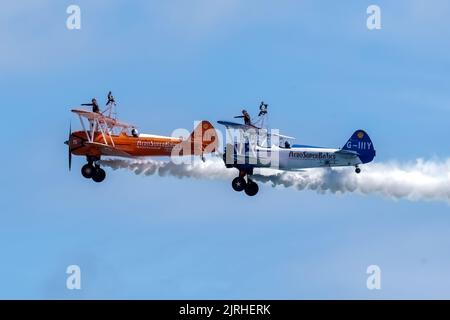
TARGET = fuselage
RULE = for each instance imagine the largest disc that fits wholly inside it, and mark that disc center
(123, 145)
(250, 154)
(294, 158)
(312, 157)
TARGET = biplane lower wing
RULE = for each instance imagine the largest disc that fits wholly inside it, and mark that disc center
(107, 150)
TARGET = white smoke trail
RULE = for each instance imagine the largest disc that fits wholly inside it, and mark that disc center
(421, 180)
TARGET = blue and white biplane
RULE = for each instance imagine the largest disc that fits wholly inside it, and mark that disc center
(252, 145)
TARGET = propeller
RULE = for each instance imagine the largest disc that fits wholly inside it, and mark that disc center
(68, 144)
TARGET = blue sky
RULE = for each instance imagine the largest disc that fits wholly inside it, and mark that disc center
(170, 63)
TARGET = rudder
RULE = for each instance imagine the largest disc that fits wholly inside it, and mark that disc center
(361, 143)
(204, 138)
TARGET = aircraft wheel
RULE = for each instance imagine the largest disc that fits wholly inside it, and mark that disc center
(358, 170)
(251, 189)
(99, 175)
(238, 184)
(88, 171)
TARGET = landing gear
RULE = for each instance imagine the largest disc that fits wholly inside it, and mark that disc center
(91, 170)
(99, 174)
(238, 184)
(88, 170)
(249, 187)
(358, 170)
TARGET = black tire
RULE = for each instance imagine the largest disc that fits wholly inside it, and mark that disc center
(358, 170)
(238, 184)
(251, 189)
(88, 171)
(99, 175)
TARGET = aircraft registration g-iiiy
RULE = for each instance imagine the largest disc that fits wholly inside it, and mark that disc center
(250, 152)
(104, 135)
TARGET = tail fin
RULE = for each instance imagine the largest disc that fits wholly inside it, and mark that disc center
(360, 143)
(204, 138)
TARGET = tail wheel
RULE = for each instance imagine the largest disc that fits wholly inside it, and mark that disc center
(238, 184)
(251, 189)
(88, 171)
(358, 170)
(99, 175)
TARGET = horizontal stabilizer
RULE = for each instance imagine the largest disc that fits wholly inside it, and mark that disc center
(347, 152)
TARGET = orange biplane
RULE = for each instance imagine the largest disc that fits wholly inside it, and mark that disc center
(104, 135)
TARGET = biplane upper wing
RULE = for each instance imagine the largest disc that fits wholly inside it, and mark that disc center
(235, 125)
(100, 117)
(107, 150)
